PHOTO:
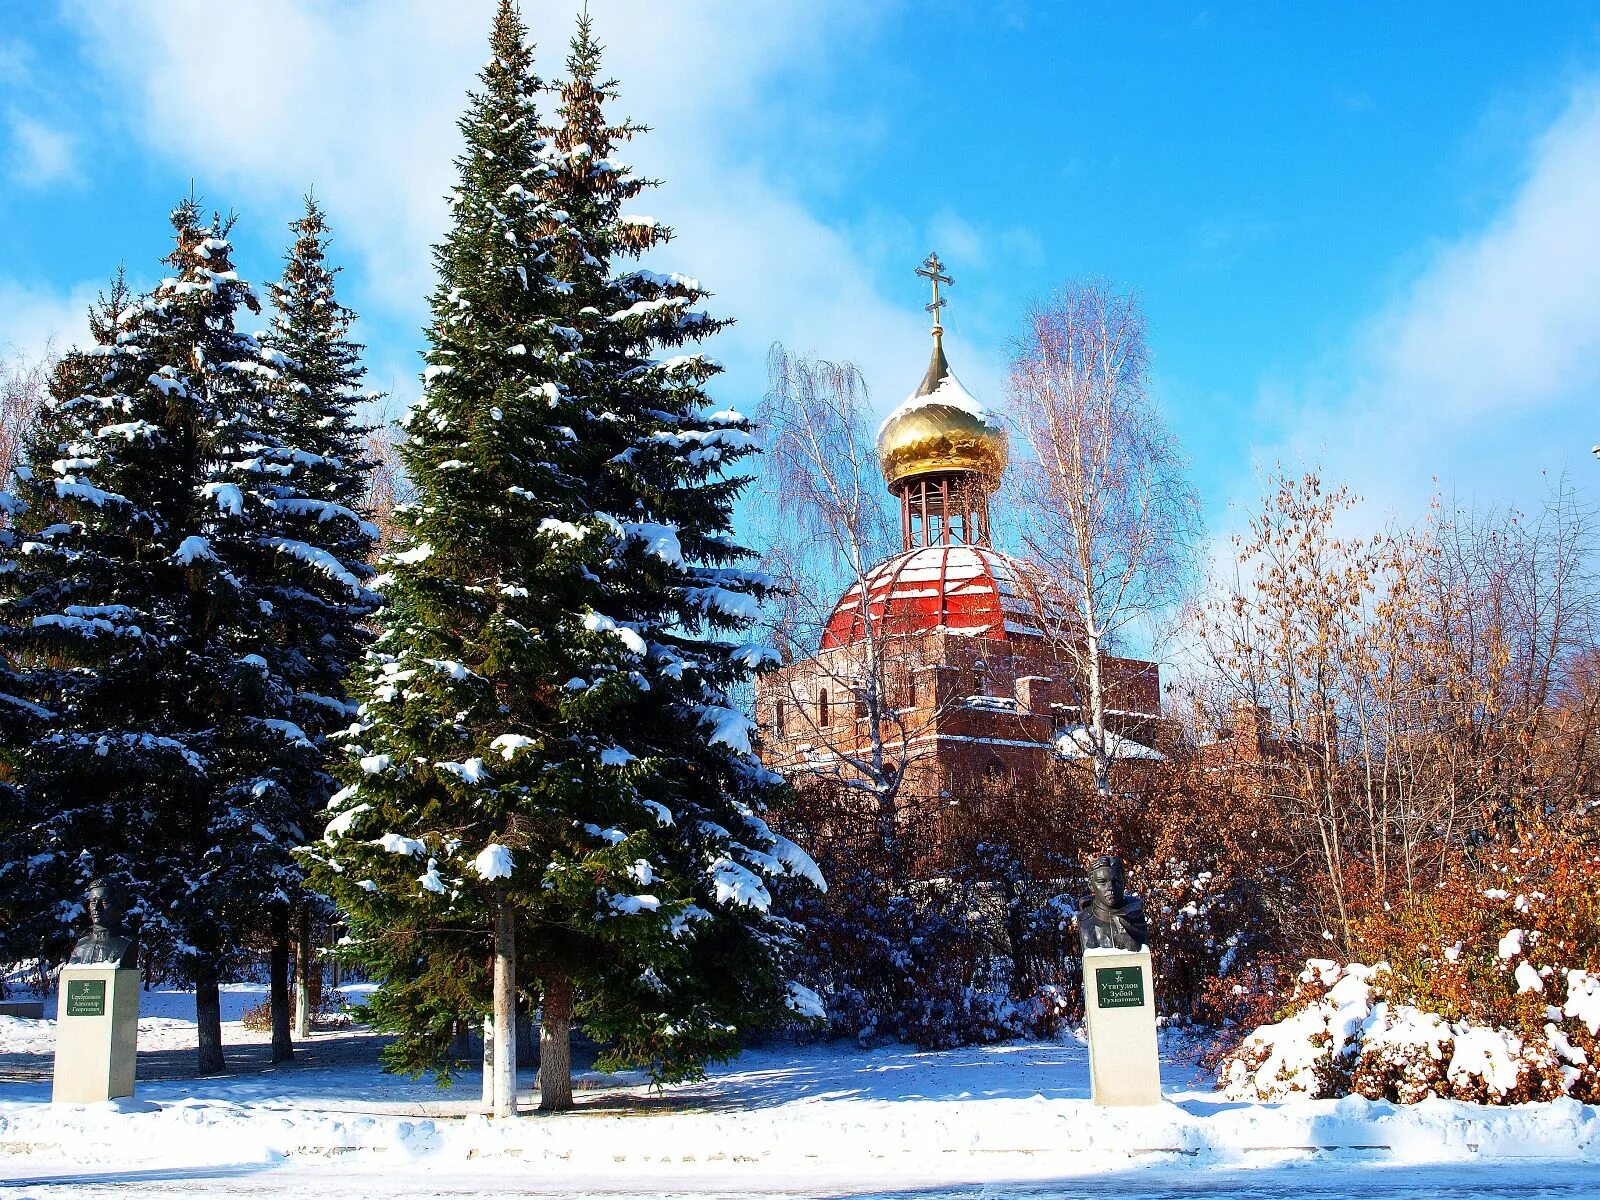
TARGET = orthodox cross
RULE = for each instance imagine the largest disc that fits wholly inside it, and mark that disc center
(933, 271)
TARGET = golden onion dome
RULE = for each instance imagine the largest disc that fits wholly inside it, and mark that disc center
(941, 428)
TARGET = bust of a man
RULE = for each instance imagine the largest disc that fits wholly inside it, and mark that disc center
(1109, 918)
(108, 943)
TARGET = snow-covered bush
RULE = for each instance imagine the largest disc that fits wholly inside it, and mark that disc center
(982, 949)
(971, 935)
(928, 964)
(1485, 986)
(1211, 941)
(1347, 1033)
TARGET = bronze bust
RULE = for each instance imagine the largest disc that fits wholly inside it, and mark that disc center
(109, 943)
(1109, 918)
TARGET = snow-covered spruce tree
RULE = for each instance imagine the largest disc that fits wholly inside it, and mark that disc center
(498, 808)
(163, 764)
(673, 961)
(435, 847)
(312, 462)
(30, 929)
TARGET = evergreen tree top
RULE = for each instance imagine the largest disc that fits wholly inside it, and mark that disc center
(305, 294)
(320, 375)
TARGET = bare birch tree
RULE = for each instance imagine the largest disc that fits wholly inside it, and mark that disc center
(387, 485)
(827, 527)
(23, 384)
(1107, 511)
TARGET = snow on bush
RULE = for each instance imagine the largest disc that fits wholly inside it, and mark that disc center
(1347, 1032)
(931, 963)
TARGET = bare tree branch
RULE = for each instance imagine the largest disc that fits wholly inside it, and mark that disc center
(24, 384)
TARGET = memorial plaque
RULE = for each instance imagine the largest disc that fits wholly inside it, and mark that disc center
(97, 1033)
(1119, 987)
(86, 998)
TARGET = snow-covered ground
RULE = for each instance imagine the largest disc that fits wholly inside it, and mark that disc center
(791, 1121)
(166, 1020)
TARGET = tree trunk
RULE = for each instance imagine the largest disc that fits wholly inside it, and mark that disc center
(505, 1012)
(282, 1043)
(1100, 753)
(555, 1044)
(527, 1047)
(303, 966)
(488, 1064)
(208, 1020)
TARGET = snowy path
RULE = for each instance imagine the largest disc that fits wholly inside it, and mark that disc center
(1299, 1182)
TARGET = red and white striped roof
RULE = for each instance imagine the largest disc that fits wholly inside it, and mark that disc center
(960, 588)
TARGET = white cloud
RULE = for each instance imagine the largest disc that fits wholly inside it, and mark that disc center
(358, 101)
(1509, 319)
(40, 154)
(361, 100)
(957, 238)
(33, 319)
(1482, 370)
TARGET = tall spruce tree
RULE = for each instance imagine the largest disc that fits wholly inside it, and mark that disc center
(312, 454)
(32, 927)
(672, 970)
(31, 914)
(545, 733)
(145, 577)
(439, 837)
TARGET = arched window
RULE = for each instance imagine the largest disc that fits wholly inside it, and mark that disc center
(822, 707)
(779, 714)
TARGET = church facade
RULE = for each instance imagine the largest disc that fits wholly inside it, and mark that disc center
(949, 640)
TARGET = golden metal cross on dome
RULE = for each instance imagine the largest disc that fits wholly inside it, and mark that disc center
(933, 271)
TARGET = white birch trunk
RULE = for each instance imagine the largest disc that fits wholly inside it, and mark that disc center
(488, 1064)
(505, 1013)
(304, 962)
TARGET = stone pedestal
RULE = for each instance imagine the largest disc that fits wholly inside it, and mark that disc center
(1120, 1003)
(97, 1033)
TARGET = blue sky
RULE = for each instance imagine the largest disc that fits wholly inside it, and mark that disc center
(1365, 235)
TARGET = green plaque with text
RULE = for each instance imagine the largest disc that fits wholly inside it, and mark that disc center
(1120, 987)
(86, 997)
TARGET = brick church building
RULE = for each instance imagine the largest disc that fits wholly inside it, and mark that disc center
(970, 688)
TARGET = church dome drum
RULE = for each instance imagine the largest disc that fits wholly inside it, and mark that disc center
(967, 590)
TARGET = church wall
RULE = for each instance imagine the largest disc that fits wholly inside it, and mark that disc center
(966, 704)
